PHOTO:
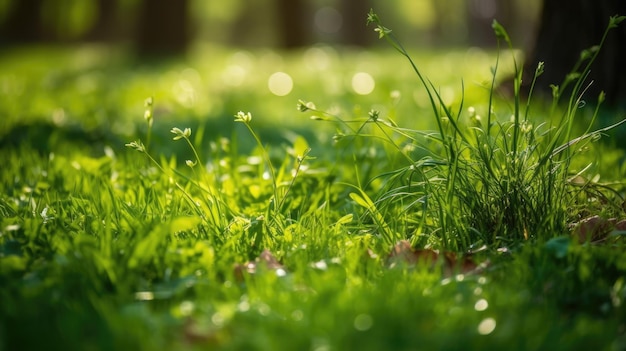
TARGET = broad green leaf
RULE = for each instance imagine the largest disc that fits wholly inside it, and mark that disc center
(558, 246)
(300, 146)
(180, 224)
(345, 219)
(12, 263)
(361, 201)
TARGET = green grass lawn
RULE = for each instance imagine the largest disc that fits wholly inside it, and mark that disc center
(321, 220)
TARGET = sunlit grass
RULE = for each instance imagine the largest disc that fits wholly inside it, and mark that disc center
(270, 229)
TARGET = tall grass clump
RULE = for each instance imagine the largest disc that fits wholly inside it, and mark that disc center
(482, 178)
(243, 204)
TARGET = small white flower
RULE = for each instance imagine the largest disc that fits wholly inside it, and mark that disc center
(181, 133)
(137, 145)
(244, 117)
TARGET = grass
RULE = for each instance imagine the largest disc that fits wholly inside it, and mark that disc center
(238, 235)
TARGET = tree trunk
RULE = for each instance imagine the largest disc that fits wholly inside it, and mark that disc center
(568, 27)
(294, 25)
(480, 15)
(23, 24)
(106, 24)
(354, 31)
(163, 28)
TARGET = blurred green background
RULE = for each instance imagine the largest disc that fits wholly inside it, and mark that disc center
(261, 23)
(82, 68)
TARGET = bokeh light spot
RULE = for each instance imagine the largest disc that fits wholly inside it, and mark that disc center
(297, 315)
(316, 58)
(280, 83)
(486, 326)
(363, 83)
(234, 75)
(328, 20)
(363, 322)
(481, 305)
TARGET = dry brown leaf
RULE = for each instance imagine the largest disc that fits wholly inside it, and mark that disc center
(592, 228)
(463, 264)
(266, 260)
(194, 334)
(621, 225)
(403, 253)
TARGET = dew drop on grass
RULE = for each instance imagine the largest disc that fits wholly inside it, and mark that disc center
(321, 265)
(264, 310)
(363, 322)
(280, 84)
(486, 326)
(12, 227)
(363, 83)
(297, 315)
(217, 319)
(243, 306)
(144, 295)
(186, 308)
(481, 305)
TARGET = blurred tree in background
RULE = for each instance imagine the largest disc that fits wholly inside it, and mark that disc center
(170, 26)
(21, 23)
(352, 12)
(157, 27)
(293, 26)
(163, 27)
(567, 28)
(105, 22)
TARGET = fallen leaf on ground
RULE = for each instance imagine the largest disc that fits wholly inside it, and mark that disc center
(266, 260)
(621, 225)
(402, 252)
(451, 263)
(194, 334)
(594, 228)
